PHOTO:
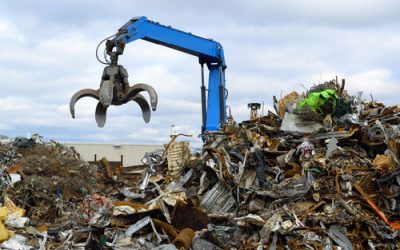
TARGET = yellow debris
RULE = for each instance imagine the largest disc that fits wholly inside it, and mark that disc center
(285, 101)
(383, 163)
(3, 213)
(5, 234)
(12, 208)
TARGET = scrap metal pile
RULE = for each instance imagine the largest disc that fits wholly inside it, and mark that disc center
(321, 173)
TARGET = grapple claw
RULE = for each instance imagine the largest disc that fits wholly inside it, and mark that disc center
(106, 92)
(101, 114)
(144, 105)
(78, 95)
(135, 89)
(114, 90)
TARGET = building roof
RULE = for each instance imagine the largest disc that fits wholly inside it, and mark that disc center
(132, 154)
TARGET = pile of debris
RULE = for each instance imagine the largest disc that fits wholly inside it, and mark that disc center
(321, 173)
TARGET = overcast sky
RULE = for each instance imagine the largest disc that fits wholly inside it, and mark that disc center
(271, 47)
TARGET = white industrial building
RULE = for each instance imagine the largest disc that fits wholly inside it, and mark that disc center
(127, 155)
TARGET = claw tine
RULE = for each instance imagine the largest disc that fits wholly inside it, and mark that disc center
(135, 89)
(78, 95)
(144, 105)
(106, 92)
(101, 113)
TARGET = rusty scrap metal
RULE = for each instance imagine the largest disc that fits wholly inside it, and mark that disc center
(253, 185)
(184, 239)
(178, 153)
(394, 224)
(218, 199)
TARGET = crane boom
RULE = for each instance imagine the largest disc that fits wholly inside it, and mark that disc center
(114, 85)
(209, 52)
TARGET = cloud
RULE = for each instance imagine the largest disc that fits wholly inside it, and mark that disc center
(378, 83)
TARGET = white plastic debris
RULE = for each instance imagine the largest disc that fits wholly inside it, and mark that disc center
(42, 242)
(129, 194)
(14, 178)
(125, 210)
(16, 221)
(17, 242)
(331, 147)
(251, 219)
(287, 224)
(273, 224)
(294, 123)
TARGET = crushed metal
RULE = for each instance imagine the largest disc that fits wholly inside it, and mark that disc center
(323, 176)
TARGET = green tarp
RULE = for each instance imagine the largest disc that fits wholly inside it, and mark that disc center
(316, 100)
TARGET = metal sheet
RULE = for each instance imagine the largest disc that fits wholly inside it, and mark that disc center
(218, 199)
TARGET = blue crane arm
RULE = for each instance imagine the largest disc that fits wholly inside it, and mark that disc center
(209, 52)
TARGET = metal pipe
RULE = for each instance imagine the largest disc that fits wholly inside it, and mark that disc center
(203, 100)
(184, 239)
(221, 99)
